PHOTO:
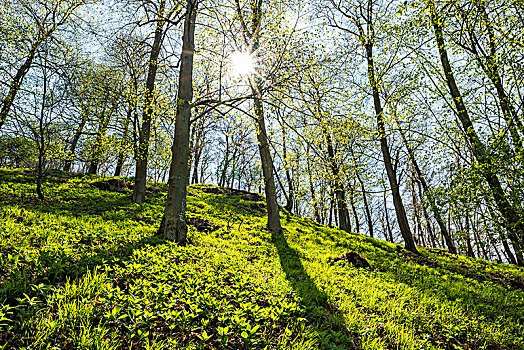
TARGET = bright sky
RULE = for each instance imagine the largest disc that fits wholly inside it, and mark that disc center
(242, 64)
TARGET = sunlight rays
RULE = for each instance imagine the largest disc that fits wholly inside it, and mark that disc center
(242, 64)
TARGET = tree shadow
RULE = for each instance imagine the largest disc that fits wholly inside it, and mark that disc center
(326, 316)
(445, 280)
(55, 267)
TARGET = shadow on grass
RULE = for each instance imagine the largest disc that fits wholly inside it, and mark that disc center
(55, 268)
(442, 281)
(327, 317)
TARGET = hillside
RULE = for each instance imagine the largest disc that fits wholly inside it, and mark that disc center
(83, 270)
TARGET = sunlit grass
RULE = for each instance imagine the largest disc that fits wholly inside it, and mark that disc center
(84, 270)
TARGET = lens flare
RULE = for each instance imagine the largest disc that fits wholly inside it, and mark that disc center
(242, 64)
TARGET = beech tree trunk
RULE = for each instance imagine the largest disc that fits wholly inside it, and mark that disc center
(316, 213)
(273, 216)
(291, 195)
(139, 189)
(353, 208)
(491, 68)
(366, 204)
(174, 225)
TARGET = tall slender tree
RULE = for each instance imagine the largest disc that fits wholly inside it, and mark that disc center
(174, 225)
(512, 219)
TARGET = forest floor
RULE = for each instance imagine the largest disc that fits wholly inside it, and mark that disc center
(84, 270)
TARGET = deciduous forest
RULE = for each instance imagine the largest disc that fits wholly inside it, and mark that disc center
(261, 174)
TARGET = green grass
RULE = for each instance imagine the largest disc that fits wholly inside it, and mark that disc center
(83, 270)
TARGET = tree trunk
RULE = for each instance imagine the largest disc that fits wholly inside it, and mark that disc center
(507, 249)
(491, 69)
(416, 214)
(344, 222)
(427, 192)
(402, 219)
(41, 148)
(74, 143)
(316, 214)
(429, 229)
(273, 217)
(290, 196)
(353, 208)
(198, 150)
(388, 225)
(366, 205)
(174, 226)
(198, 153)
(139, 190)
(512, 220)
(17, 81)
(123, 141)
(222, 181)
(469, 251)
(97, 149)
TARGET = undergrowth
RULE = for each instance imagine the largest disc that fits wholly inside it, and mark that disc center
(84, 270)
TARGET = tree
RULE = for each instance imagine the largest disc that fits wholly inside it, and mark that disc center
(174, 226)
(252, 36)
(165, 18)
(41, 19)
(512, 220)
(362, 16)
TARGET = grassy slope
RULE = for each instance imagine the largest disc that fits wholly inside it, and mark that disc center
(84, 270)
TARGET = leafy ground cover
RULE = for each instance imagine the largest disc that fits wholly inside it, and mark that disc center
(84, 270)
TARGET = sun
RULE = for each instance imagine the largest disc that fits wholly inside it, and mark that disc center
(242, 64)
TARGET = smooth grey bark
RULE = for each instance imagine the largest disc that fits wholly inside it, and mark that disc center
(222, 180)
(416, 213)
(174, 225)
(41, 141)
(353, 208)
(512, 220)
(503, 238)
(429, 229)
(139, 189)
(198, 148)
(367, 209)
(469, 251)
(198, 154)
(388, 225)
